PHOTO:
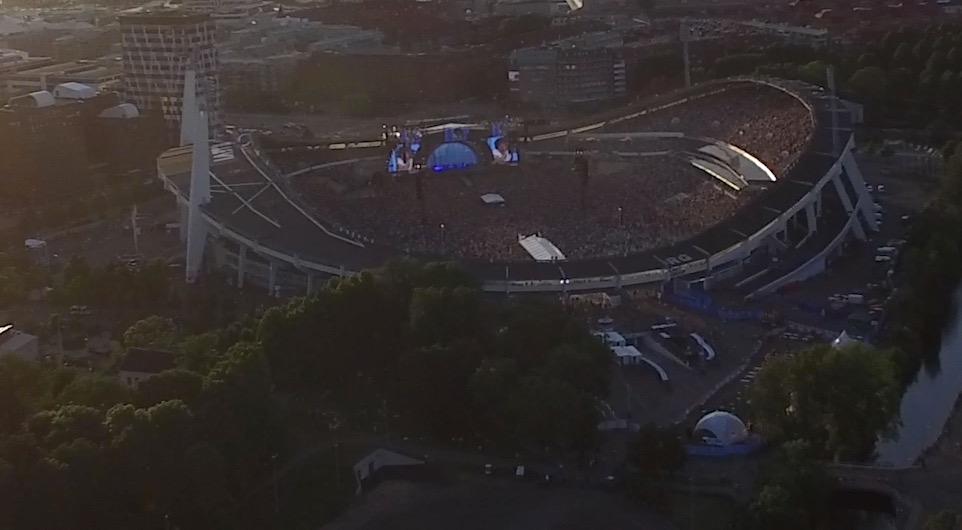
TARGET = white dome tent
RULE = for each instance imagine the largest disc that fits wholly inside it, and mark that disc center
(721, 428)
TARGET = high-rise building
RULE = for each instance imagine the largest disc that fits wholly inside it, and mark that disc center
(159, 47)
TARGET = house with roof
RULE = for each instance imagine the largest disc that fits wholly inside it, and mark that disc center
(14, 342)
(141, 364)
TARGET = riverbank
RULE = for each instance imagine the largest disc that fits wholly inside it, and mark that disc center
(949, 445)
(930, 405)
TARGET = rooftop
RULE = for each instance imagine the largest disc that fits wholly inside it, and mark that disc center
(147, 361)
(72, 68)
(161, 16)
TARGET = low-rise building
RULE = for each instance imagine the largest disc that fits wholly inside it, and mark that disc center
(52, 140)
(16, 343)
(92, 73)
(15, 60)
(141, 364)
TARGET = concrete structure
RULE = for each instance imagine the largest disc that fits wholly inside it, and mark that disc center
(18, 344)
(141, 364)
(158, 48)
(586, 69)
(545, 8)
(258, 76)
(346, 39)
(258, 232)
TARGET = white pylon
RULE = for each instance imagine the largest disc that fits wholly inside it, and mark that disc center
(194, 131)
(189, 108)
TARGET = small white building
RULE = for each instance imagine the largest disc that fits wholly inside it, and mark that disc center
(611, 338)
(627, 355)
(368, 466)
(18, 344)
(141, 363)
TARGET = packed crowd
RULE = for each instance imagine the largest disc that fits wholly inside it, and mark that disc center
(623, 207)
(627, 207)
(766, 122)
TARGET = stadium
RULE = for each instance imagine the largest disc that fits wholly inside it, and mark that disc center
(745, 183)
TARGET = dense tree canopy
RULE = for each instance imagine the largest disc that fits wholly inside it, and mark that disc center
(930, 271)
(423, 341)
(412, 347)
(187, 452)
(151, 332)
(837, 400)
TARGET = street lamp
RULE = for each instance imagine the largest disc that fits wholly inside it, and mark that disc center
(277, 499)
(621, 216)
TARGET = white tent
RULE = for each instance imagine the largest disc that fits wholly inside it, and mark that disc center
(123, 111)
(540, 248)
(844, 340)
(39, 99)
(74, 90)
(721, 428)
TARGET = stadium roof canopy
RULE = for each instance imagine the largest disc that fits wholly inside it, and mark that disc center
(541, 249)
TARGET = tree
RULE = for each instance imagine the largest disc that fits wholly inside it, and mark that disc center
(838, 400)
(151, 332)
(793, 492)
(954, 58)
(493, 388)
(813, 72)
(199, 353)
(737, 64)
(238, 414)
(656, 453)
(94, 390)
(585, 366)
(24, 388)
(427, 373)
(554, 414)
(868, 59)
(903, 56)
(869, 84)
(890, 43)
(944, 520)
(169, 385)
(67, 423)
(652, 460)
(901, 87)
(441, 315)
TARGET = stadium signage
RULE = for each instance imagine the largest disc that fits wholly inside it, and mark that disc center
(680, 259)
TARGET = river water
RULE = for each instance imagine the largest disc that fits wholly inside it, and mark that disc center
(929, 401)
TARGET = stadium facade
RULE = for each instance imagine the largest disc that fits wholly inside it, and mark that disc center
(240, 216)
